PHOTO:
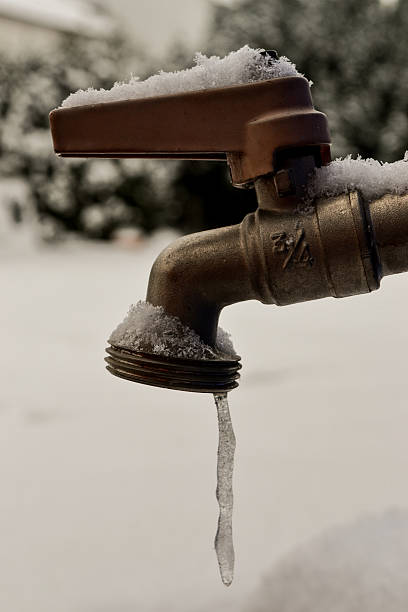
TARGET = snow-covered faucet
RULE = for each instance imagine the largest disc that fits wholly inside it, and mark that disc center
(294, 248)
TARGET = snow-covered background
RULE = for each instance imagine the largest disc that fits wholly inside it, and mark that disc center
(107, 487)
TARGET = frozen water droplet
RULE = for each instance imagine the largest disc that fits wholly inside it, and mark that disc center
(224, 546)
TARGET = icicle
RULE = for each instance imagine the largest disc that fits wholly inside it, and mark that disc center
(224, 546)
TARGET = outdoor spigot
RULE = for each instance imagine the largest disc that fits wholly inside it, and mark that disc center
(285, 252)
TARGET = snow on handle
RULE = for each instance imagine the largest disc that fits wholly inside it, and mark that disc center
(246, 65)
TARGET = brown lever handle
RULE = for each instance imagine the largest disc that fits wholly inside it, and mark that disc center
(243, 124)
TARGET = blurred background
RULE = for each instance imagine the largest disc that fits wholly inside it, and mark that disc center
(107, 489)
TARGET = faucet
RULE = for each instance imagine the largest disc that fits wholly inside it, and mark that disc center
(287, 251)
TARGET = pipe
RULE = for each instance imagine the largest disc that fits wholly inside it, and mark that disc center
(389, 221)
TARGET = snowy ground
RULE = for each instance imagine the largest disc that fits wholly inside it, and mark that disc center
(107, 488)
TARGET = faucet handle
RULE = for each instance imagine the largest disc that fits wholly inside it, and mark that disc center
(246, 125)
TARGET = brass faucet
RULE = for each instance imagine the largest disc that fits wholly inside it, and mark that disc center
(287, 251)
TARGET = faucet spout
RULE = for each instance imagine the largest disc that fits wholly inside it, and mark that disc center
(197, 275)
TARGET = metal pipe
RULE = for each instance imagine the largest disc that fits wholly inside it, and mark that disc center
(389, 222)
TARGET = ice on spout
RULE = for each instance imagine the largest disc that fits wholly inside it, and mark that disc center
(246, 65)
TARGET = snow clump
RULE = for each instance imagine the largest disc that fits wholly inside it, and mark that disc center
(150, 329)
(246, 65)
(372, 178)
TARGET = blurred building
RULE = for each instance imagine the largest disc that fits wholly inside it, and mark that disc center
(157, 25)
(25, 24)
